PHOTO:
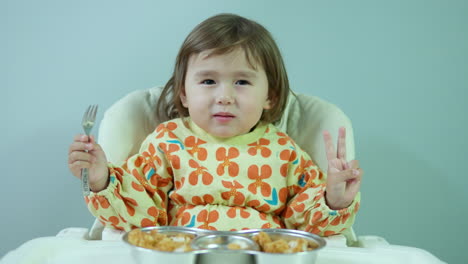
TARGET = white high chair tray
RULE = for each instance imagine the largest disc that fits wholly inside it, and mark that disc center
(76, 250)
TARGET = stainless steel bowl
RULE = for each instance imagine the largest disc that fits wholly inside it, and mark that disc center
(224, 241)
(305, 257)
(226, 248)
(213, 247)
(144, 255)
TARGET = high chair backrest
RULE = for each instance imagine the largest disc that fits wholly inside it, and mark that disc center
(128, 121)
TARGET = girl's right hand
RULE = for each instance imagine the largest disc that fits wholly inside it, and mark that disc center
(95, 160)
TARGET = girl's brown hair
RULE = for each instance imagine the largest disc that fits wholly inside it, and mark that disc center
(223, 33)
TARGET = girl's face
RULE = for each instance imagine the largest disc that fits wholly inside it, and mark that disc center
(224, 95)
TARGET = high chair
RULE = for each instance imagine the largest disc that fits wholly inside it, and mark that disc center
(126, 124)
(128, 121)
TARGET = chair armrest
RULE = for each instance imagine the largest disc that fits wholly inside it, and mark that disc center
(74, 232)
(371, 242)
(336, 241)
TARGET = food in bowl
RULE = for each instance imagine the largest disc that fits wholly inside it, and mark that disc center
(160, 241)
(281, 245)
(235, 246)
(181, 239)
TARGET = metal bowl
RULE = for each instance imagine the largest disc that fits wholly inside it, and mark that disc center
(144, 255)
(288, 235)
(224, 241)
(228, 247)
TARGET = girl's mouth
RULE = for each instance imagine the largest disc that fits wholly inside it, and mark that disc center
(224, 117)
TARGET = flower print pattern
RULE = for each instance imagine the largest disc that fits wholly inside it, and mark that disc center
(166, 129)
(315, 227)
(163, 218)
(179, 183)
(305, 174)
(184, 218)
(296, 206)
(284, 139)
(177, 198)
(283, 194)
(168, 150)
(270, 183)
(259, 176)
(154, 213)
(148, 160)
(114, 222)
(130, 203)
(264, 217)
(234, 187)
(319, 222)
(262, 146)
(340, 219)
(142, 183)
(97, 202)
(187, 219)
(303, 166)
(118, 172)
(232, 212)
(261, 207)
(207, 178)
(205, 199)
(207, 218)
(137, 187)
(320, 192)
(226, 158)
(193, 147)
(289, 157)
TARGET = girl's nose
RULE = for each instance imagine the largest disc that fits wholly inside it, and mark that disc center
(225, 99)
(226, 95)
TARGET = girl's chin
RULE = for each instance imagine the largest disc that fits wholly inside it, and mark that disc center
(225, 133)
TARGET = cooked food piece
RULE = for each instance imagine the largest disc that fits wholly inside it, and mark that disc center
(269, 245)
(159, 241)
(278, 246)
(262, 239)
(234, 246)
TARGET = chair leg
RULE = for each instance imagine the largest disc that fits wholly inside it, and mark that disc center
(95, 233)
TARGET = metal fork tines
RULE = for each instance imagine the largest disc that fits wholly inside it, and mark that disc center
(89, 118)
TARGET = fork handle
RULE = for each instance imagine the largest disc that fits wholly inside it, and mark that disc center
(85, 181)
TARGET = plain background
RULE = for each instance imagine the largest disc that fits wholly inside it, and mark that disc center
(397, 68)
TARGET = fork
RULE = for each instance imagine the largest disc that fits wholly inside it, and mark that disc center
(88, 122)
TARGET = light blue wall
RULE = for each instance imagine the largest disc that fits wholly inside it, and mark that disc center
(397, 68)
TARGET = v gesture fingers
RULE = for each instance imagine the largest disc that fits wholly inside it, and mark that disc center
(343, 177)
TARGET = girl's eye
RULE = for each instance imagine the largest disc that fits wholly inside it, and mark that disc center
(242, 82)
(208, 82)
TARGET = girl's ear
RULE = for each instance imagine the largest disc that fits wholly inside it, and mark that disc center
(267, 105)
(183, 98)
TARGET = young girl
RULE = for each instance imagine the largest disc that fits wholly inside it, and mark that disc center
(219, 163)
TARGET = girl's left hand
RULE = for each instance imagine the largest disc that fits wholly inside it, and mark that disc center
(343, 177)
